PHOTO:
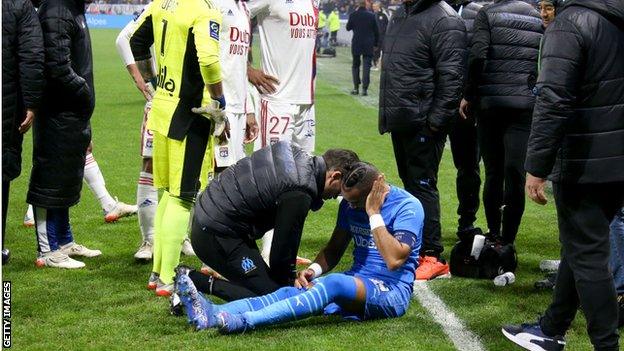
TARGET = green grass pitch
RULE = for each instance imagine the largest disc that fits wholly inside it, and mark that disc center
(106, 305)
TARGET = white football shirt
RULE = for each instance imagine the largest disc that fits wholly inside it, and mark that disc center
(287, 30)
(234, 39)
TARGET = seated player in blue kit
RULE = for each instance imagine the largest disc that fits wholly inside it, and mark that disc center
(378, 285)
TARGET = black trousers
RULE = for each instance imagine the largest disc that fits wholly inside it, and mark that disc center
(355, 70)
(584, 212)
(465, 150)
(237, 259)
(5, 206)
(418, 155)
(503, 138)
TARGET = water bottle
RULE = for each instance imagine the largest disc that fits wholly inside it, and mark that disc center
(505, 279)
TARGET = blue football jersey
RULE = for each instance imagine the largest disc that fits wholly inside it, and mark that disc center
(401, 213)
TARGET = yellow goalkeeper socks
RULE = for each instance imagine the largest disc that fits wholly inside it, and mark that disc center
(158, 220)
(173, 230)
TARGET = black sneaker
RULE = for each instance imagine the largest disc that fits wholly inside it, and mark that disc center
(548, 283)
(6, 254)
(620, 300)
(364, 92)
(355, 92)
(530, 337)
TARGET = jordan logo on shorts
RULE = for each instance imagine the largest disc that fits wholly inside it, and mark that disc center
(247, 265)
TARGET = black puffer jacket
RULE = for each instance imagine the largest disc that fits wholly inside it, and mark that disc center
(422, 68)
(62, 131)
(242, 200)
(22, 77)
(502, 68)
(468, 11)
(578, 121)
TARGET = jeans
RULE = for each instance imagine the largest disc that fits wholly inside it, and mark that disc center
(616, 260)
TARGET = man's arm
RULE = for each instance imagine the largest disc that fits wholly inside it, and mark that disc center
(142, 38)
(292, 210)
(31, 59)
(141, 72)
(58, 28)
(327, 258)
(478, 54)
(448, 47)
(559, 81)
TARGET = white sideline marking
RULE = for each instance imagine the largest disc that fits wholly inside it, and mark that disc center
(462, 338)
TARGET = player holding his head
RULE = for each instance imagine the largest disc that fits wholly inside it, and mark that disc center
(385, 223)
(185, 35)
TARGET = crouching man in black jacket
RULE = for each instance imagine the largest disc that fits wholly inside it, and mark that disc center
(274, 188)
(62, 131)
(421, 82)
(577, 138)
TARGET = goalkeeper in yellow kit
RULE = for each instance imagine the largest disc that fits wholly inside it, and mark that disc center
(185, 35)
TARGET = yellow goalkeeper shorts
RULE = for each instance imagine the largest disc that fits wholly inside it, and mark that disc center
(182, 167)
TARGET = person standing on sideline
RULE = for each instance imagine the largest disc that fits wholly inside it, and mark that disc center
(577, 140)
(502, 70)
(62, 132)
(382, 25)
(363, 44)
(22, 89)
(464, 143)
(334, 26)
(422, 76)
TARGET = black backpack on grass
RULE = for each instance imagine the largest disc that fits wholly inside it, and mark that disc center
(495, 258)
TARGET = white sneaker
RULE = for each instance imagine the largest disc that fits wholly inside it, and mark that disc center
(163, 289)
(549, 265)
(73, 249)
(121, 210)
(152, 282)
(29, 218)
(58, 259)
(144, 252)
(187, 248)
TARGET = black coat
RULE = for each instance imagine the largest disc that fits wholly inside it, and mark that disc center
(242, 201)
(62, 131)
(578, 121)
(365, 32)
(502, 67)
(382, 25)
(422, 69)
(468, 11)
(22, 77)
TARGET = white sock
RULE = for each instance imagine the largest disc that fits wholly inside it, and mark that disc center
(95, 181)
(147, 201)
(267, 240)
(30, 215)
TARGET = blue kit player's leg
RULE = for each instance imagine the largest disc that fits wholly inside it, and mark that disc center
(339, 288)
(200, 311)
(385, 300)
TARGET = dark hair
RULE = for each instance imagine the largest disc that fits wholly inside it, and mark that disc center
(361, 176)
(340, 159)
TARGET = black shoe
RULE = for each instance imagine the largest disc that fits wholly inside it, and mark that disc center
(620, 300)
(6, 254)
(364, 92)
(355, 92)
(548, 283)
(531, 337)
(467, 234)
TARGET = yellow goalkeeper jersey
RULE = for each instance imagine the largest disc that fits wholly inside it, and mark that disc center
(185, 35)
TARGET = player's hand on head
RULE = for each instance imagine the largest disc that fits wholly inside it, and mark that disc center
(263, 82)
(251, 132)
(376, 196)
